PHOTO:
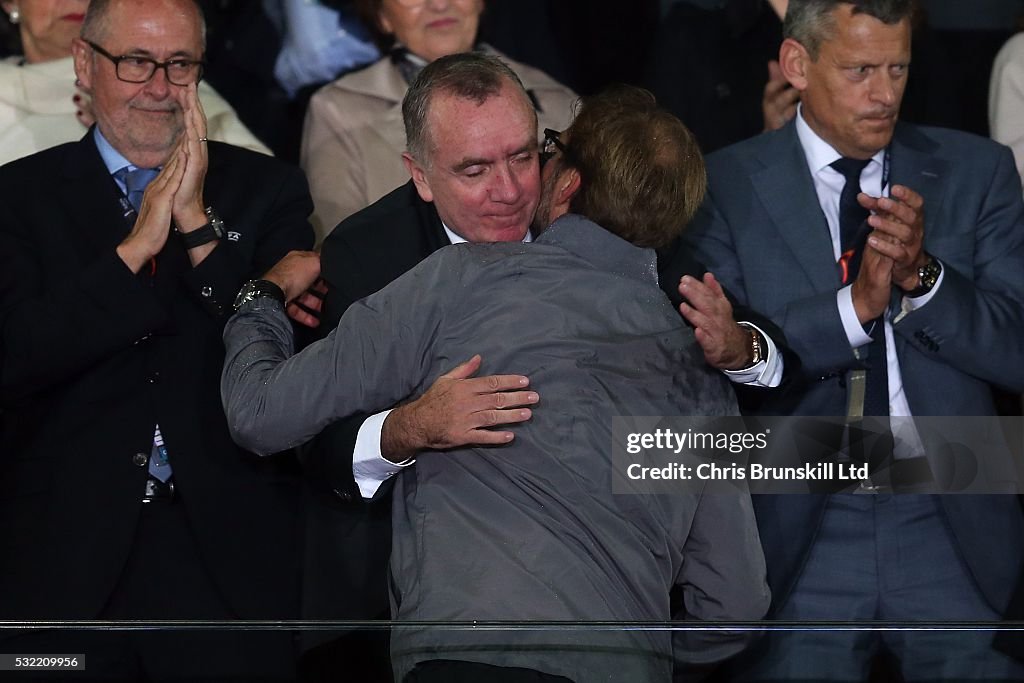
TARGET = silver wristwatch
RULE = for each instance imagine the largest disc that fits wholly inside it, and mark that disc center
(258, 289)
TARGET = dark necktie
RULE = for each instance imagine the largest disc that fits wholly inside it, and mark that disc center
(853, 235)
(853, 231)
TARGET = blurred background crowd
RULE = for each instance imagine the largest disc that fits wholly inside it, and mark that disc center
(308, 77)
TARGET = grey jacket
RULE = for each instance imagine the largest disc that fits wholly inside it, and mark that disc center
(530, 531)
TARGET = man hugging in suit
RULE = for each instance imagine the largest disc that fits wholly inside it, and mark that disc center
(530, 527)
(474, 177)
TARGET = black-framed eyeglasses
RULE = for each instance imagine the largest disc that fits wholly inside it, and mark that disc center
(137, 69)
(552, 143)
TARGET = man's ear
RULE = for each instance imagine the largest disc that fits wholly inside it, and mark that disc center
(82, 54)
(794, 60)
(383, 23)
(419, 177)
(566, 187)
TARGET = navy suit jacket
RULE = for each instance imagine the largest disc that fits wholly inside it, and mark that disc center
(94, 356)
(763, 233)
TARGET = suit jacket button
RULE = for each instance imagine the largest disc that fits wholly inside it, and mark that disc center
(207, 291)
(140, 459)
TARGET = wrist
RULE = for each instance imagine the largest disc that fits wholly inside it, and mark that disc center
(191, 219)
(211, 229)
(868, 305)
(395, 443)
(925, 278)
(132, 256)
(909, 278)
(254, 290)
(754, 350)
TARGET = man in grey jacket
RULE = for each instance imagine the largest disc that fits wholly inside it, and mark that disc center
(531, 530)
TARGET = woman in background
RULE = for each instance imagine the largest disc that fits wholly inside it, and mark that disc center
(353, 138)
(39, 104)
(1006, 98)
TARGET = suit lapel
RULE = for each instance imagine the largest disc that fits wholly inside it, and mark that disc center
(915, 165)
(91, 200)
(793, 207)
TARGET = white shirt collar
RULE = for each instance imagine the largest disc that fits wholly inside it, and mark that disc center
(818, 152)
(456, 238)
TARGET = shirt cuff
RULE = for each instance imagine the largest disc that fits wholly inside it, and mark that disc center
(767, 373)
(854, 330)
(370, 469)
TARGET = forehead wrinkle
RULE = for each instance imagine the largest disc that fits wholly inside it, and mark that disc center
(155, 23)
(143, 52)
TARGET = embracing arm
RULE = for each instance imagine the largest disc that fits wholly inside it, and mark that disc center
(354, 456)
(275, 400)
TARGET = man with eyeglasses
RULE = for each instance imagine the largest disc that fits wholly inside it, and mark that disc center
(140, 69)
(122, 496)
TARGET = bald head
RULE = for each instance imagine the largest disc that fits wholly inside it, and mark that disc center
(96, 26)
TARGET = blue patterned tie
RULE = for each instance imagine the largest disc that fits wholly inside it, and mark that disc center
(159, 466)
(135, 183)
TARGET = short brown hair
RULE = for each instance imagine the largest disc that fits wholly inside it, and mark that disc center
(641, 172)
(470, 75)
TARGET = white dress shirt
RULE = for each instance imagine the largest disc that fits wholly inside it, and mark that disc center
(828, 183)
